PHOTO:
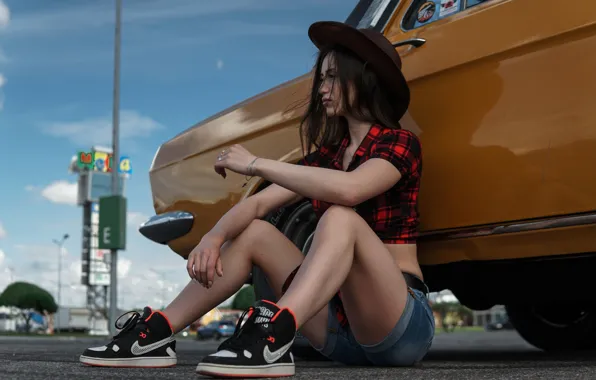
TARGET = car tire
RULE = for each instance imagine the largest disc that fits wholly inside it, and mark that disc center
(297, 224)
(555, 328)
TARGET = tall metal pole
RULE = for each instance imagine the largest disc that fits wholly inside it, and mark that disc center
(116, 164)
(59, 244)
(59, 285)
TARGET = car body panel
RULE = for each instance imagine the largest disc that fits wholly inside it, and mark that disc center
(504, 156)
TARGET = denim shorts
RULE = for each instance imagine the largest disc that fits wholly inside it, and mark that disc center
(405, 345)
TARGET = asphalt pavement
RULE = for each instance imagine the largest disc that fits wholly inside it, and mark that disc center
(459, 355)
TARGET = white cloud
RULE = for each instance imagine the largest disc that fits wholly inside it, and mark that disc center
(62, 192)
(152, 278)
(123, 267)
(4, 15)
(30, 188)
(38, 265)
(219, 64)
(138, 285)
(2, 80)
(96, 131)
(134, 219)
(42, 254)
(5, 272)
(2, 231)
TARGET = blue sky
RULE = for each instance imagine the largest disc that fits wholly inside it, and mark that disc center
(182, 61)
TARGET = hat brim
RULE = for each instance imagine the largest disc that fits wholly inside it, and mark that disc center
(328, 33)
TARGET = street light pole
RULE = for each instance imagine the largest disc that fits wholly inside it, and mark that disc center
(60, 244)
(116, 164)
(11, 308)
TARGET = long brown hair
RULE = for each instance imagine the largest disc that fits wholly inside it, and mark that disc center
(372, 102)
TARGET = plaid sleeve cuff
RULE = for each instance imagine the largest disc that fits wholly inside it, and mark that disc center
(401, 148)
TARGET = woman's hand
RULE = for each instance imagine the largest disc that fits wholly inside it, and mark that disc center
(204, 260)
(235, 158)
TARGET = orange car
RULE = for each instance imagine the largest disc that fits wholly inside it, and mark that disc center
(503, 102)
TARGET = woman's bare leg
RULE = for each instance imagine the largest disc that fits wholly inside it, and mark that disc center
(347, 254)
(260, 244)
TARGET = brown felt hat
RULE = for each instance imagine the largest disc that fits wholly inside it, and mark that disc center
(372, 47)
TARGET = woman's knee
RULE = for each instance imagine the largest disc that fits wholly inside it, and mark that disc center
(256, 230)
(337, 214)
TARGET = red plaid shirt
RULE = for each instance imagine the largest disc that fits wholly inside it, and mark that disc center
(392, 215)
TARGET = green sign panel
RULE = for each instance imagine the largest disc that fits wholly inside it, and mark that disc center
(112, 222)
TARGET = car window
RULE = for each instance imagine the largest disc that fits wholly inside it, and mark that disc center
(372, 14)
(471, 3)
(424, 12)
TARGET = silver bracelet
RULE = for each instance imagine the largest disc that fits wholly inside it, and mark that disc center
(251, 169)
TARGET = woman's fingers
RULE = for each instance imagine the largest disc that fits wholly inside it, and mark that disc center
(190, 265)
(210, 269)
(220, 170)
(203, 268)
(219, 267)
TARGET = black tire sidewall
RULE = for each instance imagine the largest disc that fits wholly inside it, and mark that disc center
(278, 218)
(301, 347)
(531, 327)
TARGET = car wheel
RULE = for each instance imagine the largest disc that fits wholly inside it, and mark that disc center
(298, 224)
(555, 327)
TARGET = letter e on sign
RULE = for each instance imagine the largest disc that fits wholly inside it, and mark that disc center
(105, 235)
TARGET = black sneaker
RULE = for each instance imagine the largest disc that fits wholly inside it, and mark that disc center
(259, 348)
(144, 341)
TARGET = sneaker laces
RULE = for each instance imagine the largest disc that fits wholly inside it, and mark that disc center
(247, 333)
(129, 324)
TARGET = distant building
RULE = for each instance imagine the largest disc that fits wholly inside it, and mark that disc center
(442, 296)
(496, 313)
(7, 320)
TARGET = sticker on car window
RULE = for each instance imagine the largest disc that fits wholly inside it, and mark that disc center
(426, 11)
(449, 7)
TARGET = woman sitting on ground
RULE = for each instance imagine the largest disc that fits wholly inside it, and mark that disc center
(358, 295)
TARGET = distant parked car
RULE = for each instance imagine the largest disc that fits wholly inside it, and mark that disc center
(499, 325)
(216, 330)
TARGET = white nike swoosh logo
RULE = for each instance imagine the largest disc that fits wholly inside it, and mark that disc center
(271, 357)
(135, 349)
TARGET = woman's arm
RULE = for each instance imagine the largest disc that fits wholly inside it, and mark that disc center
(254, 207)
(396, 154)
(334, 186)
